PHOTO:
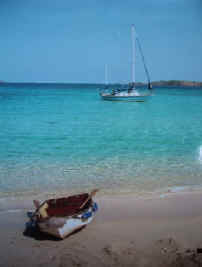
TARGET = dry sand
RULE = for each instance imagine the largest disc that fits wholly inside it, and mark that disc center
(127, 231)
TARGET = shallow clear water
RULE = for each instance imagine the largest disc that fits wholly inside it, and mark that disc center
(64, 137)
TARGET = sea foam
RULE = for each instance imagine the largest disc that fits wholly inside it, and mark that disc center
(200, 154)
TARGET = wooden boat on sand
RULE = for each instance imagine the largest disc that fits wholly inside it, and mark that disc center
(62, 216)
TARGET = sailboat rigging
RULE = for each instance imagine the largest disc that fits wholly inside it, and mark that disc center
(131, 93)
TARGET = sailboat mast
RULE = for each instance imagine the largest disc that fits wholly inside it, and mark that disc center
(106, 74)
(133, 53)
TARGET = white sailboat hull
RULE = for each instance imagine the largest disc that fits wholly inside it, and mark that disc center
(124, 97)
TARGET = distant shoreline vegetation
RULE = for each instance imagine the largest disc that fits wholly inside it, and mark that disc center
(171, 83)
(177, 83)
(161, 83)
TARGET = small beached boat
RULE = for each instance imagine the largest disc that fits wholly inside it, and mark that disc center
(131, 93)
(62, 216)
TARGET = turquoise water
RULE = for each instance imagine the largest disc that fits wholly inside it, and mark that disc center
(65, 138)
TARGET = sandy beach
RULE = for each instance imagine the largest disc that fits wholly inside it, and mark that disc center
(127, 231)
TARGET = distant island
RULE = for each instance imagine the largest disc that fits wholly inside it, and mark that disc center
(171, 83)
(163, 83)
(177, 83)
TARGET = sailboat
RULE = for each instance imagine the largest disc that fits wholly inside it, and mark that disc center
(131, 93)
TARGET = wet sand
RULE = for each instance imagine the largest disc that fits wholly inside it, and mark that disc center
(127, 231)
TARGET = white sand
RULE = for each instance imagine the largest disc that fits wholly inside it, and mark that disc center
(127, 231)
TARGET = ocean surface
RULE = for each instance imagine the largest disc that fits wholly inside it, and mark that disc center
(63, 137)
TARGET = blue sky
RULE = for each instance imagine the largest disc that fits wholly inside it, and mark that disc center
(71, 41)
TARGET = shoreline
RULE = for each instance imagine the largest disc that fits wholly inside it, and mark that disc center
(127, 231)
(103, 193)
(12, 203)
(158, 84)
